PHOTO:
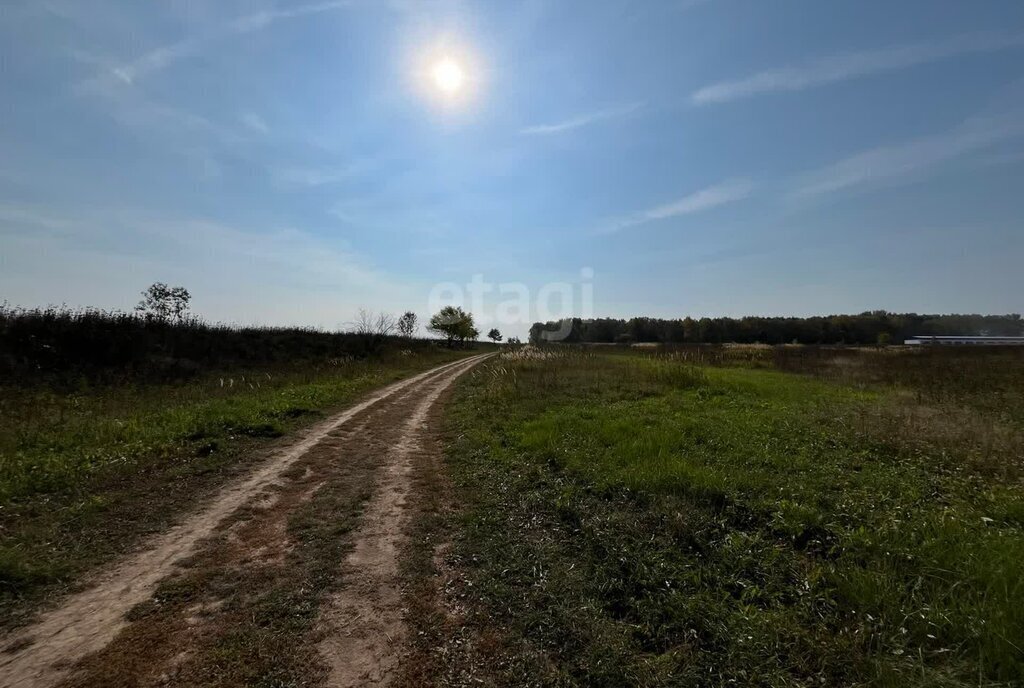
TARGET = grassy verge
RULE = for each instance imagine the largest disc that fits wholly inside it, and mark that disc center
(633, 519)
(83, 476)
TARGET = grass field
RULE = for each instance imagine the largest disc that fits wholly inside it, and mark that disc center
(84, 474)
(654, 518)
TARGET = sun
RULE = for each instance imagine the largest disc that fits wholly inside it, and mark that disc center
(448, 75)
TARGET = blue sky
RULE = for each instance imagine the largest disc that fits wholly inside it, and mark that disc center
(291, 162)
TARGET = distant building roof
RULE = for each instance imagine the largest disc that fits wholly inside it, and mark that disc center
(963, 339)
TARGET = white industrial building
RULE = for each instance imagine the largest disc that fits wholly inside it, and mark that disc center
(965, 341)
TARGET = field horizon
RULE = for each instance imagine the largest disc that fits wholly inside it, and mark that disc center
(537, 344)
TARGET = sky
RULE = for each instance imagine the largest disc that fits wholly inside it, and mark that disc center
(293, 162)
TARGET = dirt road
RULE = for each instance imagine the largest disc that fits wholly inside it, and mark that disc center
(292, 573)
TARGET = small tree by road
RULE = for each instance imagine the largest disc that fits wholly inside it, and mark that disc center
(494, 335)
(161, 302)
(454, 324)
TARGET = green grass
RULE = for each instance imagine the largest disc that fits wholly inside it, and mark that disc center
(633, 519)
(55, 442)
(84, 475)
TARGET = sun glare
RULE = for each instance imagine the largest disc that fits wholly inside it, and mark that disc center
(448, 75)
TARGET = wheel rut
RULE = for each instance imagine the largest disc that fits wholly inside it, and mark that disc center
(151, 619)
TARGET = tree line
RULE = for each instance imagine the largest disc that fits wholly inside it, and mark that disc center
(162, 340)
(871, 327)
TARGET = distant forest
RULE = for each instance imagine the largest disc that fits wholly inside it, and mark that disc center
(873, 327)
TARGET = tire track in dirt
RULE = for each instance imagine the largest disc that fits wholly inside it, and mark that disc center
(44, 653)
(364, 626)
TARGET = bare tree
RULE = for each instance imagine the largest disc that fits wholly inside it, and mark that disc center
(373, 328)
(375, 324)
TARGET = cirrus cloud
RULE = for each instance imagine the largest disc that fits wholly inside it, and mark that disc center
(581, 120)
(695, 202)
(852, 65)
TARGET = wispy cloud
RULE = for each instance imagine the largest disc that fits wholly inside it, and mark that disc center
(253, 122)
(581, 120)
(280, 275)
(704, 199)
(893, 164)
(324, 172)
(173, 126)
(311, 176)
(852, 65)
(14, 215)
(900, 162)
(380, 213)
(260, 20)
(163, 56)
